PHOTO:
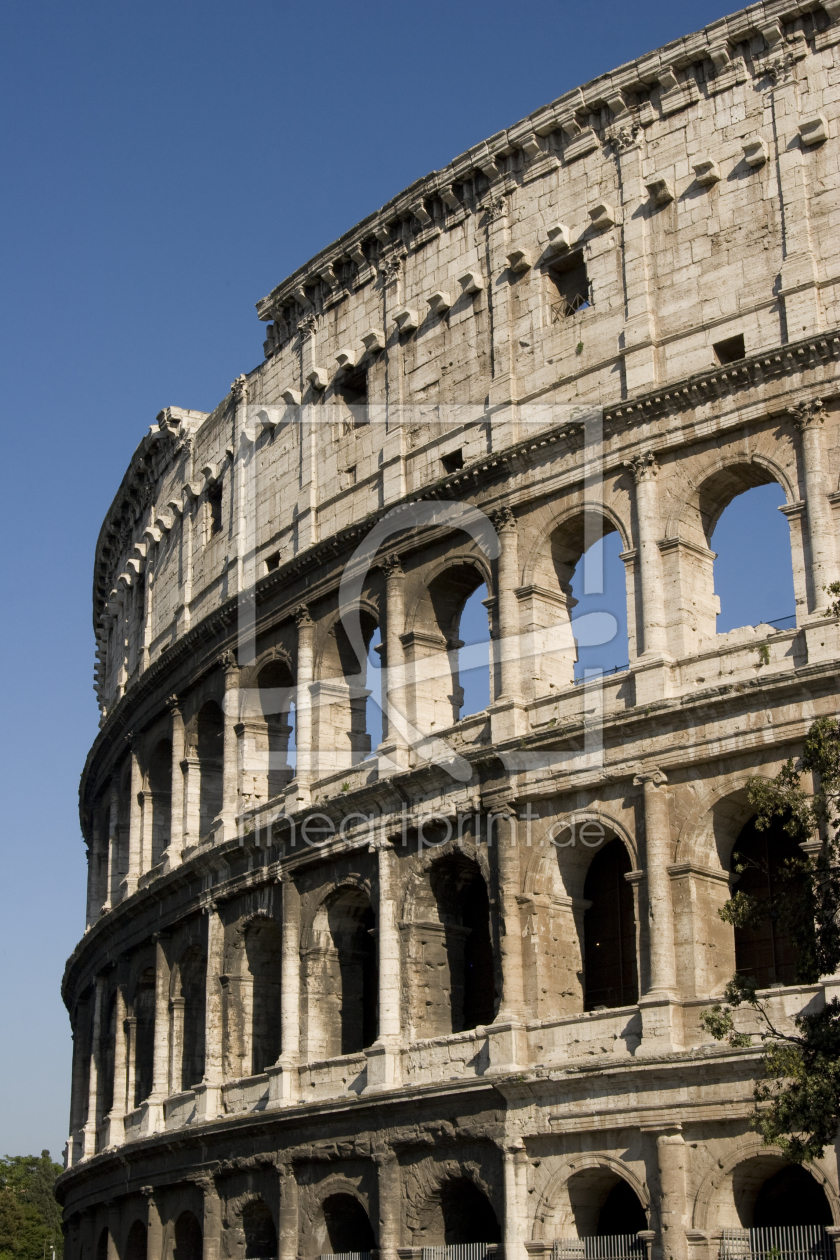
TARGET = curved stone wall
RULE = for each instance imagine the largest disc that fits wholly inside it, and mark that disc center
(341, 989)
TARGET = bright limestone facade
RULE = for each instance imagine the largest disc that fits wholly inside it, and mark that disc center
(346, 989)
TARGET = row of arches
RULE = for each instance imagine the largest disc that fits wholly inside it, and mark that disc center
(451, 963)
(596, 1201)
(581, 571)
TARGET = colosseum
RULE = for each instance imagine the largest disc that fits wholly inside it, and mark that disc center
(428, 985)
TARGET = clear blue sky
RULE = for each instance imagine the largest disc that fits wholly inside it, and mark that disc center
(164, 166)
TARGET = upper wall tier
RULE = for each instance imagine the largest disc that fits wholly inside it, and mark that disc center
(667, 218)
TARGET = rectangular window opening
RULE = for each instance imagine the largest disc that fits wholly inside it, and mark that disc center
(453, 461)
(214, 510)
(354, 390)
(730, 350)
(273, 562)
(570, 288)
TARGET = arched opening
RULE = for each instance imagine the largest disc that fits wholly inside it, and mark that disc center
(102, 1245)
(107, 1051)
(373, 704)
(272, 737)
(472, 671)
(466, 969)
(609, 931)
(579, 568)
(187, 1016)
(260, 1231)
(348, 1224)
(603, 1204)
(468, 1215)
(598, 585)
(766, 953)
(263, 952)
(341, 981)
(144, 1034)
(769, 1193)
(447, 651)
(753, 570)
(135, 1245)
(209, 746)
(791, 1197)
(340, 699)
(189, 1243)
(159, 794)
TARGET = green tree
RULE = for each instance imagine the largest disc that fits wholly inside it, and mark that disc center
(30, 1218)
(798, 1093)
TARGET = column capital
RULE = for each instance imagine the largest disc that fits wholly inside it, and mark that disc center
(302, 615)
(391, 566)
(809, 413)
(173, 704)
(239, 389)
(644, 467)
(503, 518)
(652, 775)
(227, 660)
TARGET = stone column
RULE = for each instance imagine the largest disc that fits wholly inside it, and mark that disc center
(116, 1118)
(160, 1075)
(671, 1157)
(176, 824)
(389, 1197)
(809, 419)
(645, 468)
(78, 1096)
(303, 704)
(283, 1078)
(640, 330)
(154, 1226)
(515, 1161)
(135, 820)
(113, 876)
(176, 1043)
(230, 770)
(94, 898)
(91, 1123)
(211, 1225)
(508, 1050)
(509, 718)
(660, 1020)
(287, 1235)
(397, 738)
(384, 1055)
(130, 1061)
(209, 1092)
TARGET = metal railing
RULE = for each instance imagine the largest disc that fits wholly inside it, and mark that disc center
(345, 1255)
(777, 1242)
(603, 1247)
(460, 1251)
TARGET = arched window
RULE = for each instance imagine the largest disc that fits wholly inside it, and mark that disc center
(765, 953)
(342, 976)
(468, 1215)
(144, 1035)
(609, 931)
(340, 699)
(574, 611)
(209, 746)
(449, 638)
(135, 1246)
(598, 586)
(466, 970)
(187, 1019)
(272, 738)
(791, 1197)
(753, 572)
(373, 705)
(347, 1225)
(107, 1050)
(260, 1231)
(252, 999)
(472, 671)
(189, 1242)
(622, 1213)
(160, 798)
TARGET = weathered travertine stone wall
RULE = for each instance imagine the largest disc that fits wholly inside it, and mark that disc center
(339, 994)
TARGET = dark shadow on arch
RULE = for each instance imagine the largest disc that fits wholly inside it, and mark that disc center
(159, 780)
(275, 683)
(135, 1245)
(189, 1243)
(263, 956)
(102, 1245)
(143, 1010)
(464, 910)
(766, 953)
(603, 1203)
(791, 1197)
(260, 1231)
(609, 931)
(468, 1215)
(348, 1224)
(189, 989)
(351, 923)
(209, 744)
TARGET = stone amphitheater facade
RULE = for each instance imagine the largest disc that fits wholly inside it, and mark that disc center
(350, 999)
